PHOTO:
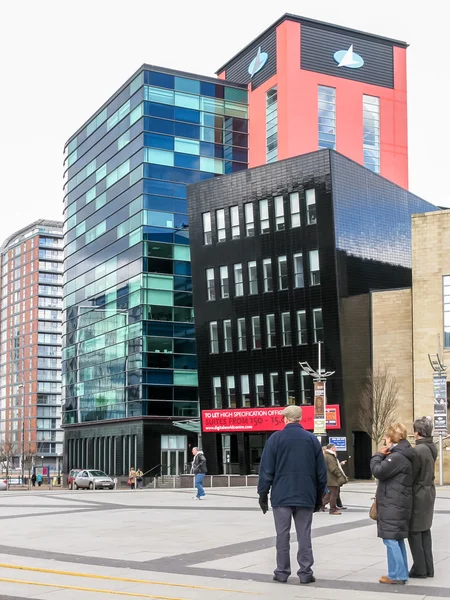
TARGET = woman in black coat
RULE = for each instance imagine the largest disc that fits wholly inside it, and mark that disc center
(392, 466)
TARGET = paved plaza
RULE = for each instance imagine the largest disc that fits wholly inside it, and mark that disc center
(85, 545)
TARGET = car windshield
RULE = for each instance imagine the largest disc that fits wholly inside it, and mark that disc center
(97, 474)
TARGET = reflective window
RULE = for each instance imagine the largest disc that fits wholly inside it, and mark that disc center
(264, 216)
(123, 140)
(238, 280)
(314, 270)
(224, 284)
(245, 391)
(299, 280)
(187, 146)
(242, 335)
(122, 112)
(159, 157)
(220, 221)
(446, 294)
(270, 326)
(286, 329)
(267, 274)
(279, 213)
(207, 236)
(252, 277)
(271, 125)
(217, 392)
(231, 392)
(256, 333)
(210, 284)
(213, 338)
(290, 387)
(274, 389)
(282, 273)
(259, 385)
(306, 388)
(371, 116)
(311, 215)
(327, 117)
(302, 331)
(234, 220)
(227, 338)
(249, 220)
(294, 201)
(318, 325)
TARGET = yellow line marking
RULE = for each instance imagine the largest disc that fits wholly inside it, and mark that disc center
(84, 589)
(124, 579)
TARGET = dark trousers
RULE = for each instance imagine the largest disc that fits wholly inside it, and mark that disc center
(331, 497)
(283, 516)
(422, 552)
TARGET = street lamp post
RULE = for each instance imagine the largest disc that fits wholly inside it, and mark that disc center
(440, 404)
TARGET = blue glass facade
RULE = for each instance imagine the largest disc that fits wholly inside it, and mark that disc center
(128, 338)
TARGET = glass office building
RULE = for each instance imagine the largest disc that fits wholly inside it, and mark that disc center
(129, 354)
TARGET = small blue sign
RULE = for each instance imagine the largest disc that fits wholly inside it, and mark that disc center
(258, 62)
(348, 58)
(340, 443)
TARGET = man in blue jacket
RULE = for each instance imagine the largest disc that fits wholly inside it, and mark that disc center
(293, 469)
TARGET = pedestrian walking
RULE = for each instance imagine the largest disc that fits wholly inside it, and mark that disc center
(424, 496)
(335, 479)
(33, 480)
(199, 470)
(132, 479)
(293, 470)
(392, 466)
(139, 478)
(39, 480)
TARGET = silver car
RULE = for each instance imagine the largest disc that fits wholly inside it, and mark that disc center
(91, 479)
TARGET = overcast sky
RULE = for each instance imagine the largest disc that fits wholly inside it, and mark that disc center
(60, 60)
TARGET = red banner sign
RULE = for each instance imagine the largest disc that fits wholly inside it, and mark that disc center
(261, 419)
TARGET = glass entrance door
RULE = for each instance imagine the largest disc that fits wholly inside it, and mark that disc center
(173, 454)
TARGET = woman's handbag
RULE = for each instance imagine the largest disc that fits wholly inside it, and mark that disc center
(373, 512)
(129, 482)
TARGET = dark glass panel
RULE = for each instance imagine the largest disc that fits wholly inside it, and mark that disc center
(162, 111)
(155, 140)
(187, 114)
(184, 361)
(159, 79)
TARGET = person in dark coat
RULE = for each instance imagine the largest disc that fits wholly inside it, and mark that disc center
(293, 469)
(392, 466)
(424, 496)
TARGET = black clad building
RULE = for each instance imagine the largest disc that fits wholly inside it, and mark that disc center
(274, 250)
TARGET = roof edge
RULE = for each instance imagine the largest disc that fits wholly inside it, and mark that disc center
(39, 222)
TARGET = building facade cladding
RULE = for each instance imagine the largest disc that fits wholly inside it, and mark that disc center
(30, 357)
(298, 258)
(301, 61)
(129, 342)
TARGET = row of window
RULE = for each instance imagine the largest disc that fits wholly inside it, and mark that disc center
(270, 278)
(230, 398)
(270, 334)
(271, 125)
(264, 206)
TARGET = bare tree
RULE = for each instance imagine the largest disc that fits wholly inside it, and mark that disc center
(8, 450)
(378, 403)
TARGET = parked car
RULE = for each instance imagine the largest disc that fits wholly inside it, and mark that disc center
(71, 477)
(93, 479)
(3, 484)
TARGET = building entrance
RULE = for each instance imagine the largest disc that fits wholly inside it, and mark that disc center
(173, 454)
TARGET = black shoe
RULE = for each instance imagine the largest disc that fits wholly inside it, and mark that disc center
(430, 575)
(413, 575)
(342, 507)
(307, 580)
(275, 578)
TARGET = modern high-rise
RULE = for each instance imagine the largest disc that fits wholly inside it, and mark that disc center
(30, 357)
(129, 354)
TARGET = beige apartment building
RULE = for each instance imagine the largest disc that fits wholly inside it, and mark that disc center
(398, 329)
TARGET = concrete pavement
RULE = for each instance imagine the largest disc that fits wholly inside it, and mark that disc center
(165, 544)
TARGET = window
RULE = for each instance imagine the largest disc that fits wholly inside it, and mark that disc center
(290, 387)
(249, 220)
(227, 340)
(210, 284)
(207, 236)
(242, 336)
(256, 333)
(267, 272)
(224, 286)
(327, 117)
(299, 280)
(282, 273)
(270, 325)
(286, 329)
(294, 202)
(231, 391)
(318, 325)
(234, 220)
(238, 280)
(279, 213)
(274, 389)
(314, 271)
(446, 282)
(371, 117)
(302, 331)
(259, 385)
(311, 215)
(271, 125)
(252, 277)
(213, 338)
(306, 388)
(220, 220)
(245, 391)
(264, 216)
(217, 392)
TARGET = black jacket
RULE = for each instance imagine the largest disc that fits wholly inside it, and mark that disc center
(293, 468)
(394, 492)
(424, 492)
(199, 463)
